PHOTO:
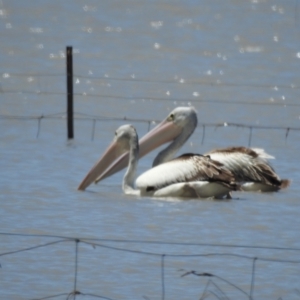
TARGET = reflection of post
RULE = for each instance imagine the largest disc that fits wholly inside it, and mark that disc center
(70, 93)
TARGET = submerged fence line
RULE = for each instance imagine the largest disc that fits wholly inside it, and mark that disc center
(132, 78)
(70, 95)
(169, 99)
(31, 77)
(102, 243)
(94, 119)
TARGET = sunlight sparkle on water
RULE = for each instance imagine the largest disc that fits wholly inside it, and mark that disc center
(156, 46)
(156, 24)
(36, 29)
(87, 29)
(88, 8)
(111, 29)
(253, 49)
(2, 13)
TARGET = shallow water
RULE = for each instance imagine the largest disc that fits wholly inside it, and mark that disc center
(234, 61)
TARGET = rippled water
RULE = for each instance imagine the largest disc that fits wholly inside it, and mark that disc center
(234, 61)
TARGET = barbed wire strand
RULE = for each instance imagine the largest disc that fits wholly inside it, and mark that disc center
(220, 295)
(212, 292)
(176, 80)
(121, 249)
(95, 296)
(52, 296)
(72, 294)
(34, 247)
(151, 242)
(143, 98)
(94, 119)
(162, 256)
(216, 276)
(86, 117)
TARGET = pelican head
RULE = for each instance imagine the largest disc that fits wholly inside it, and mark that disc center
(175, 128)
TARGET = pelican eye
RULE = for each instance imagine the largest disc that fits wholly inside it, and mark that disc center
(171, 117)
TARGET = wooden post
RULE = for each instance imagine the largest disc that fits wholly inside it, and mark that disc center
(70, 93)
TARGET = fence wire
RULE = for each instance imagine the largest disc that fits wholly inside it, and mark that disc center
(36, 77)
(94, 119)
(31, 77)
(135, 79)
(102, 243)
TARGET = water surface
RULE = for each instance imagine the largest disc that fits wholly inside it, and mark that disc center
(234, 61)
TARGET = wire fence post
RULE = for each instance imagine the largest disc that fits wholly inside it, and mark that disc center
(69, 57)
(163, 275)
(250, 137)
(252, 279)
(93, 130)
(76, 268)
(39, 126)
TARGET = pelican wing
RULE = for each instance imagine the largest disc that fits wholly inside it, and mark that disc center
(247, 164)
(185, 168)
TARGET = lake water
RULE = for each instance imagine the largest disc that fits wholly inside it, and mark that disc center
(234, 61)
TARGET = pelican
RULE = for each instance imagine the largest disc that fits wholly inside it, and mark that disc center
(187, 176)
(250, 166)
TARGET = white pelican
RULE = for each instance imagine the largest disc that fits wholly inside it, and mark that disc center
(250, 166)
(190, 175)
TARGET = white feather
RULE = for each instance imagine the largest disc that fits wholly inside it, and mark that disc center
(231, 162)
(262, 154)
(167, 173)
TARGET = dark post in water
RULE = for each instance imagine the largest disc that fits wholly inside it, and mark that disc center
(70, 93)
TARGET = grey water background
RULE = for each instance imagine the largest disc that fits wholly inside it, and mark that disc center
(234, 61)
